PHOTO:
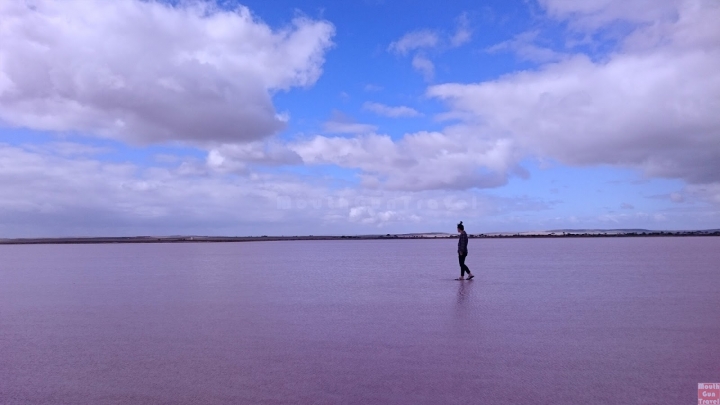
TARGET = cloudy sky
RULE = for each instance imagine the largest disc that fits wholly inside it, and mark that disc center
(291, 117)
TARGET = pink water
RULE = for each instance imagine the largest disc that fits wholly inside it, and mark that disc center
(548, 321)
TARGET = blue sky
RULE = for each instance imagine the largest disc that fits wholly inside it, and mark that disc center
(370, 116)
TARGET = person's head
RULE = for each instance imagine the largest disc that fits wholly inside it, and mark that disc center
(460, 227)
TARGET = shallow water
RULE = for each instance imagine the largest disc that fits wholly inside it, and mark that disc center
(552, 321)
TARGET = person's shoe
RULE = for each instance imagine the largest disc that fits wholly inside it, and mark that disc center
(470, 277)
(460, 278)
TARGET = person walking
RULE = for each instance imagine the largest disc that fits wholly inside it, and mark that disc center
(463, 252)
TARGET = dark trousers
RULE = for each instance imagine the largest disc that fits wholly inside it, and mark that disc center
(463, 267)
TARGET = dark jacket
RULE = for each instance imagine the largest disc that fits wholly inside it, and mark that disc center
(462, 244)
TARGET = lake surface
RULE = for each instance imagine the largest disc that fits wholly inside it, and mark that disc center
(545, 321)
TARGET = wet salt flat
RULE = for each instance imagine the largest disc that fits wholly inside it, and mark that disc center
(546, 321)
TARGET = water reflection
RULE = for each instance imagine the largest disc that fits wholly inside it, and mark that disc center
(464, 292)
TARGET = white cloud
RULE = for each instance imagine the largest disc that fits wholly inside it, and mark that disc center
(425, 40)
(593, 14)
(69, 149)
(677, 197)
(388, 111)
(145, 71)
(372, 87)
(525, 46)
(463, 33)
(428, 39)
(420, 161)
(187, 198)
(340, 123)
(652, 104)
(236, 157)
(368, 215)
(335, 127)
(128, 199)
(424, 65)
(414, 40)
(704, 192)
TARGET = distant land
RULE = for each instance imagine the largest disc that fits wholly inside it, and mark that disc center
(557, 233)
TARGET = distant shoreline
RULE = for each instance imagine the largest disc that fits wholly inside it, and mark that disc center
(217, 239)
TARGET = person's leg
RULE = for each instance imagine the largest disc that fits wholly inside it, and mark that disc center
(461, 260)
(463, 267)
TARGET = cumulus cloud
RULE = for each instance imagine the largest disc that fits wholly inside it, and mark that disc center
(368, 215)
(422, 41)
(388, 111)
(170, 199)
(187, 198)
(414, 40)
(463, 33)
(237, 157)
(146, 71)
(424, 65)
(428, 39)
(652, 104)
(419, 161)
(129, 199)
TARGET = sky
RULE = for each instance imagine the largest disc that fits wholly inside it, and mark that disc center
(297, 117)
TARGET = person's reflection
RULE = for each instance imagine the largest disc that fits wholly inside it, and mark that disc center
(464, 290)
